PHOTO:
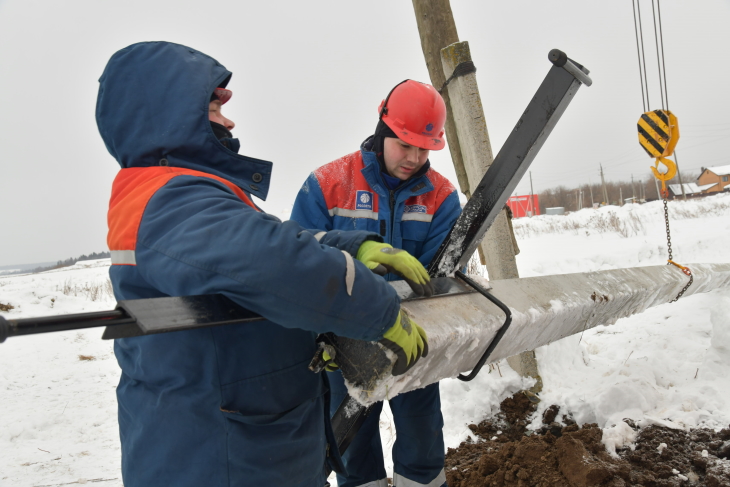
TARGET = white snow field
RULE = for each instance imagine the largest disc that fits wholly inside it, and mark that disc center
(668, 365)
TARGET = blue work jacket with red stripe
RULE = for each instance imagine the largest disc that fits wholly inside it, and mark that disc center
(350, 194)
(231, 405)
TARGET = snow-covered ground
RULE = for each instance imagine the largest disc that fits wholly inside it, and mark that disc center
(668, 365)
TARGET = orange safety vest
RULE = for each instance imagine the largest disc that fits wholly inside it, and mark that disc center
(131, 191)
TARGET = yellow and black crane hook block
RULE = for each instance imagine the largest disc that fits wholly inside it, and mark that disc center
(658, 136)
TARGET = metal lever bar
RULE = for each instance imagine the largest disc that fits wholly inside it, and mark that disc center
(561, 60)
(46, 324)
(138, 317)
(512, 162)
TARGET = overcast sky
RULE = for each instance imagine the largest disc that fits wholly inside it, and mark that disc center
(307, 81)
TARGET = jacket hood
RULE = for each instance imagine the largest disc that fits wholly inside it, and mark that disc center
(152, 110)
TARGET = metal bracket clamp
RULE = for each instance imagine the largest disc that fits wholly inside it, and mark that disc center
(500, 333)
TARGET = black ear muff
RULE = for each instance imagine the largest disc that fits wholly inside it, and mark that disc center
(384, 110)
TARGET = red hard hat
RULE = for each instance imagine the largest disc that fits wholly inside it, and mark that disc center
(223, 95)
(416, 113)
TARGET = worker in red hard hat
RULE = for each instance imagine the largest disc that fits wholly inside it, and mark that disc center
(389, 187)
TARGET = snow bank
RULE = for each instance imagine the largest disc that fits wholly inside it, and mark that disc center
(667, 365)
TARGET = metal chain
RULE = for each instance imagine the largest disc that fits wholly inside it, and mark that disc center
(686, 270)
(684, 288)
(669, 237)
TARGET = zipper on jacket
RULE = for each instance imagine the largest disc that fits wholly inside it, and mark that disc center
(392, 214)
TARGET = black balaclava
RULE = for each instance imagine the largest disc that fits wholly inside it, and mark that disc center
(376, 144)
(381, 132)
(220, 131)
(223, 134)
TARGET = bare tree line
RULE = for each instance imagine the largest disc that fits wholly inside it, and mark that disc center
(643, 187)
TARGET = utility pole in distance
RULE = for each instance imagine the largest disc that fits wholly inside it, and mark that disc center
(641, 190)
(633, 190)
(603, 183)
(679, 176)
(590, 186)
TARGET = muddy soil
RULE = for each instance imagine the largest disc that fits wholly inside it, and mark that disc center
(563, 454)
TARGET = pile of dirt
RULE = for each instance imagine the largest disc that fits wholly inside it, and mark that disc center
(507, 454)
(6, 307)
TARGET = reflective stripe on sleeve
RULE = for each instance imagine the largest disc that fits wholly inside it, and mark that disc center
(418, 217)
(349, 272)
(400, 481)
(123, 257)
(319, 236)
(353, 213)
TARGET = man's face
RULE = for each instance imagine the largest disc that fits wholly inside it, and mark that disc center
(215, 115)
(403, 160)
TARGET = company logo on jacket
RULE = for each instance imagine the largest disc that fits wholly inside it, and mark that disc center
(414, 209)
(364, 200)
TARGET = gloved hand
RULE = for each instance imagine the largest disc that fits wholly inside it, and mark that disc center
(382, 258)
(330, 366)
(407, 340)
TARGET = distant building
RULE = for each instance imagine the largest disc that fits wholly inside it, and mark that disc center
(714, 179)
(527, 205)
(711, 180)
(690, 189)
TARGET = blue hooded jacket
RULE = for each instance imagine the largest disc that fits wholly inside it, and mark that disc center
(350, 194)
(231, 405)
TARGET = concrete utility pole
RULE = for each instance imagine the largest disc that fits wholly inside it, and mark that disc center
(499, 246)
(466, 106)
(437, 30)
(603, 183)
(620, 196)
(590, 186)
(633, 190)
(583, 301)
(679, 175)
(641, 190)
(658, 194)
(471, 150)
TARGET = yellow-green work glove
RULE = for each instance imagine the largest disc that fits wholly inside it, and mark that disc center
(382, 258)
(330, 366)
(407, 340)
